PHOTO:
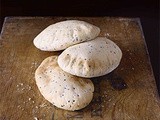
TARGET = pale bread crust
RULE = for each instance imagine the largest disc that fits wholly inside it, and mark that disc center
(63, 34)
(91, 59)
(63, 89)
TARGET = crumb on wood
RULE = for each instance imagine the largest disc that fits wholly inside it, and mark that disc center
(106, 34)
(35, 118)
(122, 68)
(29, 88)
(21, 84)
(19, 106)
(43, 105)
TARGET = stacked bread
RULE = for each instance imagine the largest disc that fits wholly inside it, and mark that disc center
(64, 80)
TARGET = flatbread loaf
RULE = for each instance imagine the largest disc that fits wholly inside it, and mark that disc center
(91, 59)
(63, 89)
(63, 34)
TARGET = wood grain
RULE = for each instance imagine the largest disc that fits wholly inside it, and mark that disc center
(19, 95)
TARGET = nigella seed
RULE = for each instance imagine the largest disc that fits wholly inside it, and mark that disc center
(61, 95)
(68, 100)
(73, 88)
(73, 100)
(76, 38)
(64, 79)
(62, 105)
(77, 95)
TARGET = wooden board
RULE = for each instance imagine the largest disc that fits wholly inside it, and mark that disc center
(21, 100)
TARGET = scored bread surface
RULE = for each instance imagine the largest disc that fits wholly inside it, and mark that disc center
(63, 89)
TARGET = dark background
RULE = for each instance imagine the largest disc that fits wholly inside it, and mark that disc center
(146, 10)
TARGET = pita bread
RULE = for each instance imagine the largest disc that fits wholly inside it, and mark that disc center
(63, 34)
(91, 59)
(63, 89)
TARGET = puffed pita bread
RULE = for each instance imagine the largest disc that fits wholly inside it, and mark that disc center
(91, 59)
(63, 89)
(63, 34)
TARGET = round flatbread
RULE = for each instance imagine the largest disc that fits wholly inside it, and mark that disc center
(63, 34)
(63, 89)
(91, 59)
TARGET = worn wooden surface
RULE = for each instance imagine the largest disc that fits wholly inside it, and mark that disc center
(19, 95)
